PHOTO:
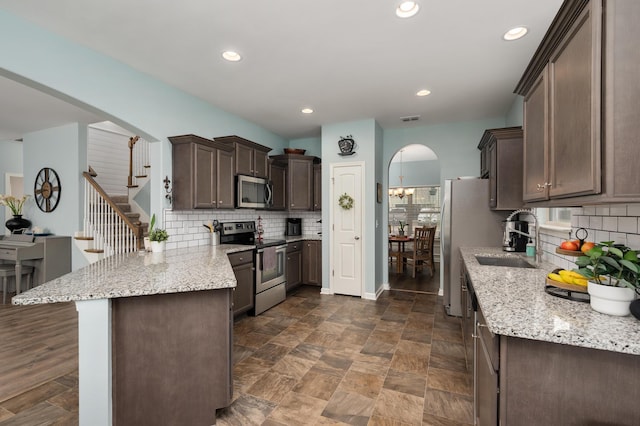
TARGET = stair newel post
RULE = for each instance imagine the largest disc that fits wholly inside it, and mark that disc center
(132, 142)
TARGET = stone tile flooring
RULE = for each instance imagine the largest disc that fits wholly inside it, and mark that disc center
(317, 359)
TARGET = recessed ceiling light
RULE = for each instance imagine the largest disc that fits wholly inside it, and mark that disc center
(406, 9)
(515, 33)
(307, 110)
(231, 56)
(423, 92)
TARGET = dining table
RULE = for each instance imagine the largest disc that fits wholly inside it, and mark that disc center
(400, 241)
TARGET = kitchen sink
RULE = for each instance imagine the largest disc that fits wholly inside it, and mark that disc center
(511, 262)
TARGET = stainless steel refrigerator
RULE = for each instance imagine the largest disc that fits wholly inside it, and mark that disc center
(467, 221)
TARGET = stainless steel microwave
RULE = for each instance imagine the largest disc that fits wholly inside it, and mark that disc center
(253, 193)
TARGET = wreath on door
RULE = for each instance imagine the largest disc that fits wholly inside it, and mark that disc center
(345, 201)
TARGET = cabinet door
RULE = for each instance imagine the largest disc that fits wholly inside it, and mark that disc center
(260, 161)
(574, 88)
(294, 269)
(492, 159)
(244, 160)
(224, 179)
(244, 292)
(278, 178)
(312, 263)
(204, 170)
(300, 179)
(535, 141)
(486, 376)
(317, 187)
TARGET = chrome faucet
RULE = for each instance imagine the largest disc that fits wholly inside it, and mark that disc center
(536, 236)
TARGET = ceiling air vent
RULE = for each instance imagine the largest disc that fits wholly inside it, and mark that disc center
(410, 118)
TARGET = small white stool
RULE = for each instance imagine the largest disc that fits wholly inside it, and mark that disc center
(9, 270)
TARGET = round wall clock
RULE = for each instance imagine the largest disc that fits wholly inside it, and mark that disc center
(46, 189)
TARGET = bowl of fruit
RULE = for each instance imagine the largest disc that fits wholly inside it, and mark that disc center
(577, 247)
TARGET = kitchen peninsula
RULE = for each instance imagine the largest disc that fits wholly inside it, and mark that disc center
(155, 335)
(548, 360)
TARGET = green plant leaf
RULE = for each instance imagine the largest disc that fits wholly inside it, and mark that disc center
(611, 262)
(631, 255)
(630, 265)
(153, 222)
(616, 252)
(587, 273)
(583, 261)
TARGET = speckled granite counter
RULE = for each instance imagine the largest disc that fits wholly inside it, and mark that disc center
(305, 237)
(515, 304)
(140, 274)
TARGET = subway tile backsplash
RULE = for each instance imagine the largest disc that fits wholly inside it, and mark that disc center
(614, 222)
(185, 226)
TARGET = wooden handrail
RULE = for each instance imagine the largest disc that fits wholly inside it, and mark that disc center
(132, 142)
(137, 230)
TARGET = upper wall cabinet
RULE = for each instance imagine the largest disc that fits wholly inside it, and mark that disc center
(202, 173)
(580, 121)
(251, 158)
(501, 155)
(299, 180)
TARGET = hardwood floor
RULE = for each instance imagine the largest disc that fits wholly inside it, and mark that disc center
(313, 359)
(38, 364)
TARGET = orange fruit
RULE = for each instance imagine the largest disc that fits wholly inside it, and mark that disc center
(588, 245)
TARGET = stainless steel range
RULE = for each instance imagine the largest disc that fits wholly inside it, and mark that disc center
(270, 255)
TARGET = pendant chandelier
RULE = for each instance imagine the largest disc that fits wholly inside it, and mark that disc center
(400, 192)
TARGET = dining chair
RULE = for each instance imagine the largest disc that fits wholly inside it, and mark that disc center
(422, 253)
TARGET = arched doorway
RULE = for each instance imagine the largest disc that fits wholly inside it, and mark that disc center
(414, 201)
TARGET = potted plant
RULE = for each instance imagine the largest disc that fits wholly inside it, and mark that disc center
(157, 237)
(401, 226)
(17, 224)
(147, 241)
(612, 271)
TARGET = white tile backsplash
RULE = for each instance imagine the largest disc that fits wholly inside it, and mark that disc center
(185, 226)
(614, 222)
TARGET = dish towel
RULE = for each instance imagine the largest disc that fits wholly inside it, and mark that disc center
(269, 258)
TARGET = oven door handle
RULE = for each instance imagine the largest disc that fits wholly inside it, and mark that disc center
(261, 267)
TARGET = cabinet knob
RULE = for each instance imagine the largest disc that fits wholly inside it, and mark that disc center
(292, 204)
(220, 201)
(542, 186)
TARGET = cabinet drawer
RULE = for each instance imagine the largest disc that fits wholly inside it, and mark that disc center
(297, 246)
(241, 258)
(490, 341)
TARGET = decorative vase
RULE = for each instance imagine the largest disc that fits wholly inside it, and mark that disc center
(158, 246)
(610, 300)
(400, 233)
(17, 224)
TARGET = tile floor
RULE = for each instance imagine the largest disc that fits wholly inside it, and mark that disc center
(318, 359)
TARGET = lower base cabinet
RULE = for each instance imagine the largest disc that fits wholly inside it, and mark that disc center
(529, 382)
(244, 270)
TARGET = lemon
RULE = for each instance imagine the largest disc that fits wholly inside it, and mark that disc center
(580, 281)
(556, 277)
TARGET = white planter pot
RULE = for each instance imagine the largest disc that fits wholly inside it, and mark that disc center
(158, 246)
(610, 300)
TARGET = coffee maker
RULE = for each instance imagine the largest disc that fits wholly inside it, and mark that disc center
(294, 226)
(515, 241)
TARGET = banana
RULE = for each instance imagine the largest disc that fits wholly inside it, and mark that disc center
(556, 277)
(580, 281)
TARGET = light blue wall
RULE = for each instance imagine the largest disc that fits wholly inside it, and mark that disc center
(312, 145)
(366, 135)
(117, 92)
(416, 173)
(63, 149)
(10, 162)
(515, 116)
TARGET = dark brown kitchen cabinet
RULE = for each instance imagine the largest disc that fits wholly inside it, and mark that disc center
(202, 173)
(299, 180)
(312, 262)
(294, 265)
(244, 270)
(251, 158)
(486, 374)
(278, 178)
(317, 187)
(502, 151)
(581, 90)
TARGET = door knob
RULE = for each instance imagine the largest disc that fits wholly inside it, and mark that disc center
(357, 238)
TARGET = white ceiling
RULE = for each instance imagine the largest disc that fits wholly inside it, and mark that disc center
(348, 60)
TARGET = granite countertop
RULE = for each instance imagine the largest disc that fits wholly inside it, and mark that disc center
(304, 237)
(514, 303)
(140, 274)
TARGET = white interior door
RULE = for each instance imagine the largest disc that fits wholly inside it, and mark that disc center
(347, 238)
